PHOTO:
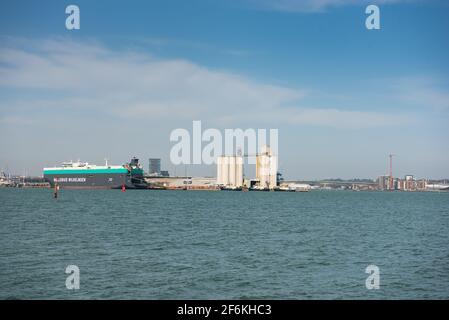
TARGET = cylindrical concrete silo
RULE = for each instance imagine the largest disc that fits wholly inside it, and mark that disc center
(239, 171)
(225, 172)
(231, 170)
(273, 171)
(219, 171)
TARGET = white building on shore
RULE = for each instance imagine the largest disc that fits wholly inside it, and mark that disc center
(266, 168)
(230, 171)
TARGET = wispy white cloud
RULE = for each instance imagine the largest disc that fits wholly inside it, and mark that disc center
(347, 119)
(132, 85)
(158, 43)
(423, 92)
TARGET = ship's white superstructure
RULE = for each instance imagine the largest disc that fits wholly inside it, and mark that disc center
(4, 181)
(78, 165)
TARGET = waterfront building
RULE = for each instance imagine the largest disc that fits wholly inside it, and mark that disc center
(409, 183)
(181, 183)
(383, 182)
(230, 171)
(266, 168)
(421, 184)
(165, 173)
(154, 168)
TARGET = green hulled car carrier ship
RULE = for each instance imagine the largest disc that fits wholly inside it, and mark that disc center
(82, 175)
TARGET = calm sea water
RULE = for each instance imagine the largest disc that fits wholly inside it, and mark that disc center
(223, 245)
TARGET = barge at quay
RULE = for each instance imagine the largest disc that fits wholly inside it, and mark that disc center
(82, 175)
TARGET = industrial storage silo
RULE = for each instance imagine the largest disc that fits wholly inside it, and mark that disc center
(266, 168)
(219, 171)
(273, 171)
(239, 171)
(225, 170)
(231, 171)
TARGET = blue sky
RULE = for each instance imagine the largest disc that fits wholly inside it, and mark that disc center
(343, 97)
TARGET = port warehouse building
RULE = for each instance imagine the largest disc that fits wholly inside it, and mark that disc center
(199, 183)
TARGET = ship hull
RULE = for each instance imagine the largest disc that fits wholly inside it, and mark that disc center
(93, 181)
